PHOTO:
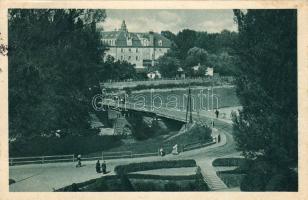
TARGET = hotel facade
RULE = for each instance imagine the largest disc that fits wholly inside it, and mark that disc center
(140, 49)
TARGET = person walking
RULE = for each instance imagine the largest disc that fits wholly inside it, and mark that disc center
(104, 167)
(98, 167)
(79, 161)
(217, 113)
(161, 151)
(175, 150)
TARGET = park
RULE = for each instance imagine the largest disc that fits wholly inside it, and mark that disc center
(96, 105)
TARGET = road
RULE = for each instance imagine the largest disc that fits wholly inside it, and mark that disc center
(47, 177)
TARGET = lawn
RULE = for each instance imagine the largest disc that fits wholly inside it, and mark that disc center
(177, 98)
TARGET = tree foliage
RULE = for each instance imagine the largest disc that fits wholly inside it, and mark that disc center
(168, 64)
(267, 88)
(54, 57)
(116, 70)
(191, 48)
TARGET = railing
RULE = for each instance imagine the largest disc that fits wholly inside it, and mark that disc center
(104, 156)
(41, 159)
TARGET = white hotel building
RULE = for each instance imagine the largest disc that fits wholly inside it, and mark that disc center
(141, 49)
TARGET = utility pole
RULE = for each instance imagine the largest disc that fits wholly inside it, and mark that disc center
(189, 108)
(212, 104)
(210, 72)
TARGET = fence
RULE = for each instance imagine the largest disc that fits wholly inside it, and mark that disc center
(104, 156)
(41, 159)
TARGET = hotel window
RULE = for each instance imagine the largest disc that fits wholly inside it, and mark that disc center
(136, 57)
(129, 50)
(121, 57)
(136, 50)
(122, 50)
(129, 57)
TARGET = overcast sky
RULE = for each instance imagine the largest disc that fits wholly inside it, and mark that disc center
(172, 20)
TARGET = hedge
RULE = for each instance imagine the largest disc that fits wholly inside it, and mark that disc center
(161, 177)
(86, 183)
(133, 167)
(222, 162)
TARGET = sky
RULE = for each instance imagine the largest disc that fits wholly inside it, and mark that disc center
(172, 20)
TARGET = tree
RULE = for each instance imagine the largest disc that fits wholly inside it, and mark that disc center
(168, 64)
(195, 56)
(169, 35)
(185, 40)
(266, 128)
(54, 57)
(116, 70)
(223, 63)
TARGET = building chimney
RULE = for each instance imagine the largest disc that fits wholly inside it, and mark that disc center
(151, 33)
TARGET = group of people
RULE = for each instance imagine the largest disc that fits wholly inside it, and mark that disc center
(174, 150)
(101, 168)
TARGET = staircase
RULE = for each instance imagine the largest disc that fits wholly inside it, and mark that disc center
(210, 177)
(119, 125)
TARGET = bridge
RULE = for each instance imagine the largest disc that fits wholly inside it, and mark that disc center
(171, 113)
(47, 177)
(51, 176)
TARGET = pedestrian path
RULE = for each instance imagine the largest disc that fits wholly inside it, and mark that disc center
(210, 176)
(34, 177)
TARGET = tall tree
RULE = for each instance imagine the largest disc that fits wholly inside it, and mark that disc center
(266, 128)
(185, 40)
(54, 56)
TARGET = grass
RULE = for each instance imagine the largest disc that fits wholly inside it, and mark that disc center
(227, 98)
(177, 98)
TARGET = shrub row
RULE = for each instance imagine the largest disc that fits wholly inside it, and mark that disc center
(161, 177)
(133, 167)
(79, 186)
(220, 162)
(42, 146)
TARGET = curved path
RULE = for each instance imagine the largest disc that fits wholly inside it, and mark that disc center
(47, 177)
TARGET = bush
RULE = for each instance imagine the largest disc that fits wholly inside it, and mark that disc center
(133, 167)
(161, 177)
(148, 186)
(222, 162)
(39, 146)
(171, 186)
(286, 180)
(262, 176)
(105, 183)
